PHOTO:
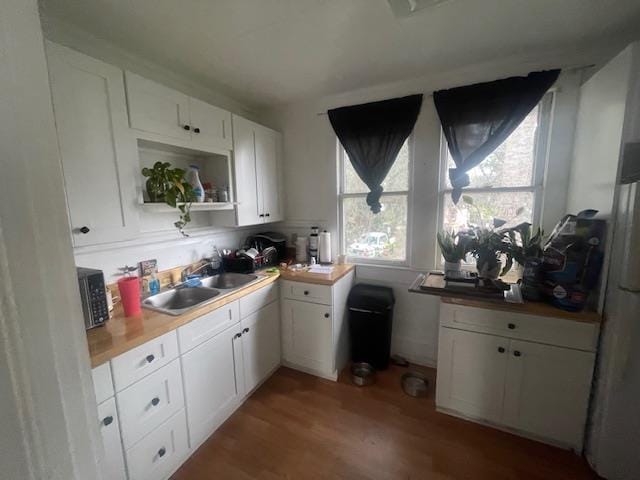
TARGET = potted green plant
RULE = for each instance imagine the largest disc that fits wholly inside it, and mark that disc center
(453, 248)
(168, 185)
(158, 181)
(488, 245)
(526, 245)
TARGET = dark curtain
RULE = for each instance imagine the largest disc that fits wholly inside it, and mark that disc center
(476, 119)
(372, 134)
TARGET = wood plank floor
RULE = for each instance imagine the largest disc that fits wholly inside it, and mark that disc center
(297, 426)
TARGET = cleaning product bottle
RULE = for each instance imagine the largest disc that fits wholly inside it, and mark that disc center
(154, 284)
(194, 180)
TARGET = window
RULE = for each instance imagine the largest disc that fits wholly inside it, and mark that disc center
(373, 238)
(507, 184)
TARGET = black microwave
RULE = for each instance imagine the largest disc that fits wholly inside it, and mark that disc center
(94, 297)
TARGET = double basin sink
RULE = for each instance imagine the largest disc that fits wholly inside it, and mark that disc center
(183, 298)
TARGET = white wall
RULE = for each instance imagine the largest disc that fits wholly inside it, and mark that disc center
(310, 149)
(594, 164)
(47, 404)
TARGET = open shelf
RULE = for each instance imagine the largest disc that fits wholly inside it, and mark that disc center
(195, 207)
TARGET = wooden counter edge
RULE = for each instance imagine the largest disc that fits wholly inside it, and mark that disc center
(529, 308)
(172, 323)
(318, 278)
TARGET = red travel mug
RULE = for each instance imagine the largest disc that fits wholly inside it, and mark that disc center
(130, 295)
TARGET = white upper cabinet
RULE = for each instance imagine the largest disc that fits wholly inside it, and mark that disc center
(267, 154)
(246, 178)
(210, 125)
(158, 110)
(154, 108)
(257, 153)
(98, 154)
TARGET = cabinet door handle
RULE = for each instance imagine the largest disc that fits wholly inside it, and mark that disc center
(186, 127)
(267, 214)
(511, 326)
(237, 335)
(150, 358)
(161, 452)
(501, 349)
(261, 215)
(196, 130)
(246, 330)
(84, 230)
(155, 401)
(326, 315)
(306, 292)
(107, 420)
(517, 353)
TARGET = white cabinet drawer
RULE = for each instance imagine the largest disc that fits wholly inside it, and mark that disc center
(146, 404)
(141, 361)
(113, 467)
(102, 382)
(552, 331)
(258, 299)
(307, 292)
(160, 453)
(207, 326)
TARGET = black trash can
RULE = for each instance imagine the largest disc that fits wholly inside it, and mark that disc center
(370, 319)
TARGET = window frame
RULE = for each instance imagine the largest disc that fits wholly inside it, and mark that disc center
(540, 160)
(342, 195)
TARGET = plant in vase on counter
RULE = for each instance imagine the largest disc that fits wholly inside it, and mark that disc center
(454, 248)
(168, 185)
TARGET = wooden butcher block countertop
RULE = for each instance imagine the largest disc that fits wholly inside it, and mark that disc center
(338, 272)
(121, 334)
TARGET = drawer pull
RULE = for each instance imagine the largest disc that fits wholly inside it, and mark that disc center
(155, 401)
(306, 292)
(150, 358)
(107, 421)
(161, 452)
(326, 315)
(512, 326)
(517, 353)
(246, 330)
(501, 349)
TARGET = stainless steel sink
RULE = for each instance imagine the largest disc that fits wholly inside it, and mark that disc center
(228, 281)
(180, 300)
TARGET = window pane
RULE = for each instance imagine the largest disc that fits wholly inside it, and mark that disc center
(397, 179)
(511, 164)
(486, 207)
(382, 236)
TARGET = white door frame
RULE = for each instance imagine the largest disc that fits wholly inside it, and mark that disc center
(47, 405)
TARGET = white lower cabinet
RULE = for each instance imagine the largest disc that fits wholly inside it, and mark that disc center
(174, 391)
(149, 402)
(548, 391)
(306, 334)
(531, 388)
(113, 466)
(314, 331)
(471, 373)
(160, 453)
(212, 382)
(260, 345)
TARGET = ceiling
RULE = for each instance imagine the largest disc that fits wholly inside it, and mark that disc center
(269, 52)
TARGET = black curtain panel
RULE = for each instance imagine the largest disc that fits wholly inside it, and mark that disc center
(476, 119)
(372, 134)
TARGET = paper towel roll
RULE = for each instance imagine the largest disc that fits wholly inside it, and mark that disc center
(325, 247)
